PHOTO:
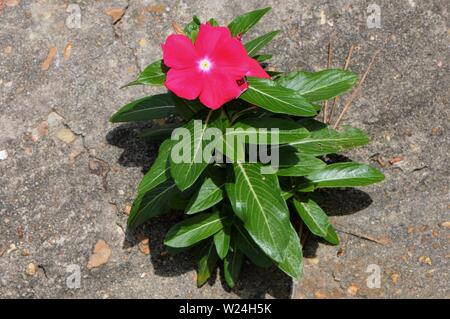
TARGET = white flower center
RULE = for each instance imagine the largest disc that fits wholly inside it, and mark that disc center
(204, 65)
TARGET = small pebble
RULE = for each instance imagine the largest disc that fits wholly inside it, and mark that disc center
(66, 135)
(394, 278)
(100, 255)
(11, 3)
(352, 290)
(54, 119)
(446, 225)
(8, 50)
(31, 269)
(3, 155)
(425, 260)
(12, 248)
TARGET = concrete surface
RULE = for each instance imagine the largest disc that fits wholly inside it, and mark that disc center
(67, 175)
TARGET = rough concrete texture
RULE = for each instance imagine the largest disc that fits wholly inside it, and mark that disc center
(67, 174)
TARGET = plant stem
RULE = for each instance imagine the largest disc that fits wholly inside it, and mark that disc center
(225, 114)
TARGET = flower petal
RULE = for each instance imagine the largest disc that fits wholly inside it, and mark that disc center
(186, 83)
(256, 70)
(231, 58)
(179, 52)
(209, 38)
(218, 89)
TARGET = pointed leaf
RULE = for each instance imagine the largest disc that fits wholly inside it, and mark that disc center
(151, 204)
(346, 175)
(232, 266)
(257, 201)
(255, 45)
(192, 28)
(194, 229)
(295, 164)
(209, 194)
(154, 74)
(185, 171)
(316, 220)
(187, 108)
(222, 242)
(207, 262)
(277, 99)
(159, 172)
(327, 141)
(245, 22)
(292, 264)
(268, 131)
(159, 133)
(248, 246)
(213, 22)
(262, 57)
(318, 86)
(148, 108)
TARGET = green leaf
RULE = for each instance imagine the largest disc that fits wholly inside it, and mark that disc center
(148, 108)
(194, 229)
(345, 175)
(192, 28)
(287, 194)
(159, 172)
(187, 108)
(292, 264)
(151, 204)
(268, 131)
(222, 242)
(213, 22)
(182, 199)
(255, 45)
(257, 201)
(262, 57)
(327, 141)
(317, 221)
(232, 266)
(277, 99)
(295, 164)
(207, 262)
(248, 246)
(154, 74)
(245, 22)
(209, 194)
(318, 86)
(159, 133)
(189, 164)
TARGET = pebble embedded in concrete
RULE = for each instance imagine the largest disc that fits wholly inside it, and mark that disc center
(3, 155)
(66, 135)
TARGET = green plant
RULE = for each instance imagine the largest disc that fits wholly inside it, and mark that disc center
(234, 210)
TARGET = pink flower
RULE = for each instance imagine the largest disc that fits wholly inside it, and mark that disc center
(210, 68)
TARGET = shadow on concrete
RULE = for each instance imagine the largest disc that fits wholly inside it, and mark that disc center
(336, 202)
(136, 152)
(254, 282)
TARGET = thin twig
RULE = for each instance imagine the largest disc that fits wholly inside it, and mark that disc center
(177, 28)
(336, 99)
(330, 58)
(356, 91)
(300, 229)
(304, 238)
(364, 237)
